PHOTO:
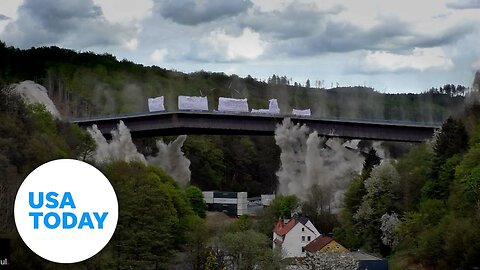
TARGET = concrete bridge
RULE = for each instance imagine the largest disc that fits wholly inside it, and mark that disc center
(214, 123)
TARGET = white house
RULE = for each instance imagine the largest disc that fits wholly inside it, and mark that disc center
(293, 235)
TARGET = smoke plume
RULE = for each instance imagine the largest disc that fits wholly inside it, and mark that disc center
(308, 160)
(35, 93)
(171, 158)
(121, 148)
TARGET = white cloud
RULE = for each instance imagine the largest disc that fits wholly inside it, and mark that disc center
(387, 41)
(159, 55)
(420, 59)
(8, 9)
(219, 46)
(132, 44)
(476, 65)
(246, 46)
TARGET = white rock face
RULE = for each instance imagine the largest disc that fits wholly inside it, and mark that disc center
(35, 93)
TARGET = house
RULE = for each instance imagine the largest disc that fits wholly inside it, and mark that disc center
(324, 244)
(292, 235)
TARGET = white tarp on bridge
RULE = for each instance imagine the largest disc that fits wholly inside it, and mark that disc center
(261, 111)
(187, 103)
(301, 112)
(156, 104)
(272, 108)
(232, 105)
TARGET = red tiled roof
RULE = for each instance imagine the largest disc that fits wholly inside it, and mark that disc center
(318, 243)
(281, 228)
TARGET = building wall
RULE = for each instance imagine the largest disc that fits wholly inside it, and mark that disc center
(333, 246)
(230, 203)
(276, 237)
(293, 244)
(310, 225)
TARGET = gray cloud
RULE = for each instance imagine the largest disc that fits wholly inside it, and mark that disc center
(297, 20)
(464, 4)
(4, 18)
(388, 35)
(77, 23)
(345, 37)
(448, 36)
(191, 12)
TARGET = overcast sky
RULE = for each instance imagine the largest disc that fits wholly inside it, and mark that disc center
(391, 45)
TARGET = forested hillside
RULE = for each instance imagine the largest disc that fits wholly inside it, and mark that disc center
(422, 210)
(85, 84)
(148, 235)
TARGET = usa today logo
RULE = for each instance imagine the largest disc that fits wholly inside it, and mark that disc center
(66, 211)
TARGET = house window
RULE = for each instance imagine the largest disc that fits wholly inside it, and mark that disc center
(303, 249)
(303, 229)
(303, 238)
(308, 238)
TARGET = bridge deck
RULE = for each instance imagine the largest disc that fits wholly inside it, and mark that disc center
(214, 123)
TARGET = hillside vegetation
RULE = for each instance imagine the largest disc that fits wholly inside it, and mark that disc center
(422, 210)
(86, 84)
(155, 215)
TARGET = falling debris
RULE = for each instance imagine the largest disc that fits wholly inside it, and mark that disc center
(35, 93)
(121, 148)
(171, 158)
(308, 159)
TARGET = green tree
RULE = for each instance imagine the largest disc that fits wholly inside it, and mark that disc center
(283, 205)
(243, 223)
(280, 207)
(371, 160)
(211, 262)
(153, 216)
(452, 140)
(196, 243)
(246, 249)
(382, 188)
(349, 231)
(195, 197)
(317, 208)
(413, 169)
